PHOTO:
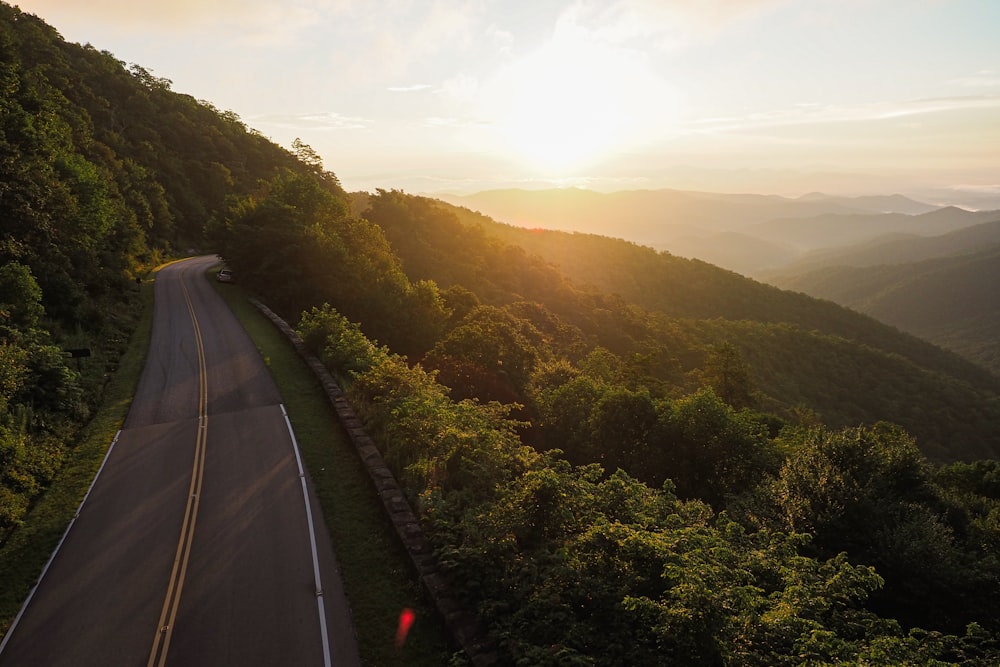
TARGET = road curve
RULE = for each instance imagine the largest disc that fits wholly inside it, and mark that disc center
(194, 546)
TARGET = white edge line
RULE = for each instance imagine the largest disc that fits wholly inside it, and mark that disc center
(38, 582)
(312, 542)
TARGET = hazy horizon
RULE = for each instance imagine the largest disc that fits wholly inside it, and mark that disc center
(780, 97)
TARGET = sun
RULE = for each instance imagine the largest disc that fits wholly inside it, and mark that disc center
(560, 113)
(571, 103)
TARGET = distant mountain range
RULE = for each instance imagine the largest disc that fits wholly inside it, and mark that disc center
(943, 289)
(745, 233)
(874, 203)
(930, 271)
(892, 249)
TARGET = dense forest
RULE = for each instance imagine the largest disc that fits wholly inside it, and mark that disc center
(911, 284)
(620, 457)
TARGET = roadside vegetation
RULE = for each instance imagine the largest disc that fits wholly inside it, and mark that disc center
(621, 457)
(25, 551)
(378, 576)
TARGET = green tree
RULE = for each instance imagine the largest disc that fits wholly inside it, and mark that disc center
(869, 491)
(622, 425)
(489, 355)
(729, 376)
(20, 297)
(711, 451)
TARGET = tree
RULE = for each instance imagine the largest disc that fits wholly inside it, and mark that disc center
(489, 355)
(20, 297)
(622, 424)
(309, 157)
(729, 376)
(711, 451)
(868, 491)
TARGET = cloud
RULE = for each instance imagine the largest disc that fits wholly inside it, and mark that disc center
(409, 89)
(327, 120)
(982, 79)
(663, 24)
(813, 114)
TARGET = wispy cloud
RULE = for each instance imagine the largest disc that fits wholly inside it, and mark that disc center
(669, 24)
(814, 114)
(982, 79)
(416, 88)
(444, 121)
(328, 120)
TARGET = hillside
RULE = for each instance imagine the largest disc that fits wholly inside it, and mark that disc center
(830, 230)
(433, 246)
(874, 203)
(745, 254)
(686, 288)
(950, 301)
(895, 249)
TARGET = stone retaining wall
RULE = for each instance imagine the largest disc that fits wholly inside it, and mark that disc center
(462, 624)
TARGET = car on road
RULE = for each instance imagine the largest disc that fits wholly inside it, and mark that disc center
(225, 276)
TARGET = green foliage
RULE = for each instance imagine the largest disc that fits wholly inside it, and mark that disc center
(729, 376)
(569, 565)
(294, 243)
(338, 341)
(20, 297)
(713, 452)
(869, 492)
(490, 354)
(847, 385)
(441, 448)
(103, 172)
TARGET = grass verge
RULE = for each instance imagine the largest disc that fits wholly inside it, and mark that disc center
(378, 576)
(28, 548)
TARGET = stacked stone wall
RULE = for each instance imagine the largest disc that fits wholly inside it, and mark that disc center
(462, 624)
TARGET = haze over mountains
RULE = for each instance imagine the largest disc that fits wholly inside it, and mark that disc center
(941, 288)
(746, 233)
(930, 271)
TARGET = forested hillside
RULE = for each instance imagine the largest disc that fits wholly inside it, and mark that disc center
(619, 457)
(104, 172)
(760, 510)
(802, 372)
(894, 249)
(920, 297)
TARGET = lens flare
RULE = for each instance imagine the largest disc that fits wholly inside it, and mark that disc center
(406, 618)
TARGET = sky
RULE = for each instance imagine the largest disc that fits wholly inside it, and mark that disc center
(429, 96)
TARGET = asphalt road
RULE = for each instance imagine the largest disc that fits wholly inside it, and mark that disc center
(194, 546)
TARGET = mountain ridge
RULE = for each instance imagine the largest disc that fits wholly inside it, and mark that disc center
(950, 300)
(716, 227)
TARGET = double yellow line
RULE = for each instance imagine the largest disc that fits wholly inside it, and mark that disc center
(165, 627)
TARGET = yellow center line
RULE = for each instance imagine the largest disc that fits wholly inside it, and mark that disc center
(165, 627)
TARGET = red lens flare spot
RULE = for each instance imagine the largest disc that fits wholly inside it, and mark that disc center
(406, 618)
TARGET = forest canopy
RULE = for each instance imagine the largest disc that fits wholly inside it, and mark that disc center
(620, 457)
(607, 484)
